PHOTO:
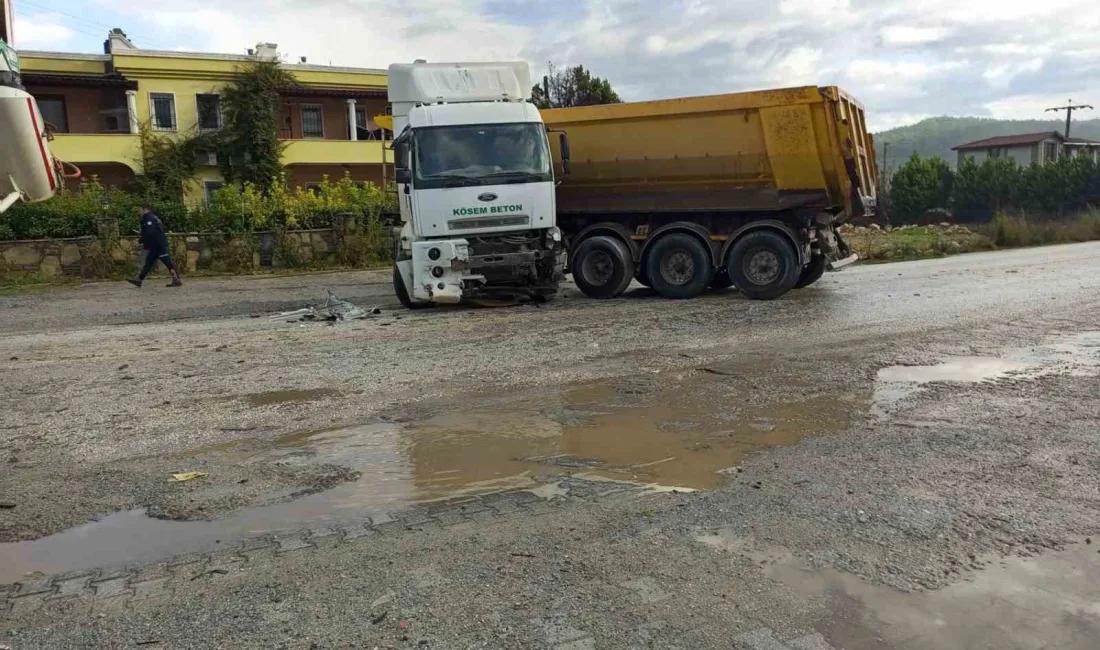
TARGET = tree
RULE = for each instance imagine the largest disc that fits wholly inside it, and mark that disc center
(920, 185)
(572, 87)
(250, 150)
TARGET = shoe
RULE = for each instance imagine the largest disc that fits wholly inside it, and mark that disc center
(174, 283)
(135, 282)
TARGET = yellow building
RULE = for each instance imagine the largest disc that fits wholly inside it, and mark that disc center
(96, 104)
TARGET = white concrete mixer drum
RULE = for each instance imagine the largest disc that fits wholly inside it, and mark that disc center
(27, 169)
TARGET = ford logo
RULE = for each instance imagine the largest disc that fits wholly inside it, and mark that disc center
(488, 196)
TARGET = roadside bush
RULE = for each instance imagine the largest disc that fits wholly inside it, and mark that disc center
(232, 209)
(920, 185)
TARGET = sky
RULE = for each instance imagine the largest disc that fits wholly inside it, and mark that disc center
(904, 59)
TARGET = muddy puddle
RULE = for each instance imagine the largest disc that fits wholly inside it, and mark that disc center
(680, 432)
(274, 397)
(1074, 354)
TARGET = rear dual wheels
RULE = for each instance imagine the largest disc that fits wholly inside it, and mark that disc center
(602, 267)
(763, 265)
(678, 266)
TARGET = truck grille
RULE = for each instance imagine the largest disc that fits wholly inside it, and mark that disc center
(488, 222)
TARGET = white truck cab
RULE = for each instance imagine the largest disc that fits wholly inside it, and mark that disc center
(475, 185)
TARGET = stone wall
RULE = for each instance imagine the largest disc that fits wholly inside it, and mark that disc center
(84, 256)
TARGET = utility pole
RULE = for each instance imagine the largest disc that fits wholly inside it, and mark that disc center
(7, 18)
(1068, 108)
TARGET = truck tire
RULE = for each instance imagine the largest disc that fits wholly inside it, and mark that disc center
(678, 266)
(602, 267)
(403, 293)
(812, 272)
(763, 265)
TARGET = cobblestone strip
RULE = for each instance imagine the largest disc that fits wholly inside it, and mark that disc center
(117, 590)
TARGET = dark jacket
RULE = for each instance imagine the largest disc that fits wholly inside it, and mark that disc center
(153, 237)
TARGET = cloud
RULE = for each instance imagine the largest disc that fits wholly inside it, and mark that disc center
(903, 59)
(42, 31)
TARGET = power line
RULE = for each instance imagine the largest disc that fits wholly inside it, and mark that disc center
(85, 24)
(1069, 108)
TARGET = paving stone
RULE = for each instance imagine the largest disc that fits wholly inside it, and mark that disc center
(358, 532)
(111, 587)
(429, 525)
(292, 543)
(504, 506)
(483, 516)
(524, 497)
(257, 544)
(36, 586)
(23, 605)
(473, 507)
(71, 587)
(450, 518)
(150, 588)
(391, 528)
(761, 639)
(186, 563)
(811, 642)
(539, 508)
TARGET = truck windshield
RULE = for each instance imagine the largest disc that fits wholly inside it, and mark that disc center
(459, 156)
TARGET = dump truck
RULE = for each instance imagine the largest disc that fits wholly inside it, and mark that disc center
(745, 189)
(475, 185)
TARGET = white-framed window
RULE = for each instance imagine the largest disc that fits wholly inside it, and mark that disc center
(210, 188)
(209, 109)
(313, 121)
(162, 111)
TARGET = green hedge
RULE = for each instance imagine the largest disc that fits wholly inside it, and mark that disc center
(232, 209)
(975, 192)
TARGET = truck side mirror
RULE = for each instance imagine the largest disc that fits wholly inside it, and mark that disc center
(563, 138)
(403, 175)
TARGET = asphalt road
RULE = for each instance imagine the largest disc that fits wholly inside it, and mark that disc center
(464, 477)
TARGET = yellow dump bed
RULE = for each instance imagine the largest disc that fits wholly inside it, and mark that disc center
(803, 149)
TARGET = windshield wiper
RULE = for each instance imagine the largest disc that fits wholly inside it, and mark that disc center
(453, 180)
(518, 175)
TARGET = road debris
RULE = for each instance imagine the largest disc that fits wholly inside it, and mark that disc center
(334, 309)
(7, 505)
(187, 476)
(381, 617)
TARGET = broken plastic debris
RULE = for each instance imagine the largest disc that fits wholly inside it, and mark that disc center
(335, 309)
(187, 476)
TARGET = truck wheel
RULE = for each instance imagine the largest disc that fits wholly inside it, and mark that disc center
(763, 265)
(403, 293)
(679, 266)
(602, 267)
(812, 272)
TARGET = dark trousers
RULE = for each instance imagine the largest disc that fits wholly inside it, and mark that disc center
(151, 260)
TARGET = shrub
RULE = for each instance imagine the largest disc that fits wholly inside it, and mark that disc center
(920, 185)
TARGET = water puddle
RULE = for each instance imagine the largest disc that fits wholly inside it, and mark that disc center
(290, 396)
(476, 445)
(1076, 354)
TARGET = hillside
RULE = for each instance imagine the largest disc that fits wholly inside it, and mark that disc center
(935, 136)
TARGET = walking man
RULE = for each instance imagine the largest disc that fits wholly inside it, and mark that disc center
(155, 241)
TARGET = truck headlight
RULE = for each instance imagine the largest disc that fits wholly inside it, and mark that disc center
(553, 234)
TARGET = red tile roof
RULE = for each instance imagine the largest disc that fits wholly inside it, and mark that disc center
(1011, 140)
